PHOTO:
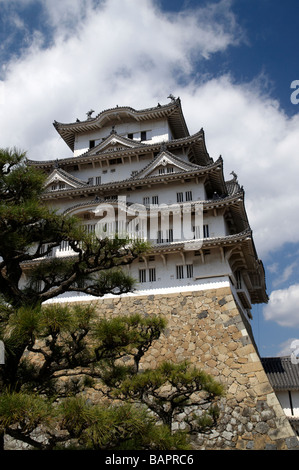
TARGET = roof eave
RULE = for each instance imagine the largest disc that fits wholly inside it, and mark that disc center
(172, 111)
(214, 168)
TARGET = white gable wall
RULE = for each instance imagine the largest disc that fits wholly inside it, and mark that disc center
(289, 401)
(119, 171)
(157, 131)
(111, 173)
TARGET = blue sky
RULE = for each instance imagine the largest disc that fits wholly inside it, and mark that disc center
(232, 62)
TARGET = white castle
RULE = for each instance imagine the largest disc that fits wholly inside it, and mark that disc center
(140, 171)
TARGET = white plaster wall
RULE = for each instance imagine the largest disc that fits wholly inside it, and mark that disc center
(116, 172)
(181, 224)
(111, 173)
(214, 269)
(167, 194)
(157, 131)
(216, 283)
(166, 270)
(295, 400)
(216, 225)
(165, 266)
(283, 397)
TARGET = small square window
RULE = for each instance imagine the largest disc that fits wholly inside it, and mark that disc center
(179, 197)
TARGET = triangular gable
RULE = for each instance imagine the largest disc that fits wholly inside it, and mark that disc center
(60, 179)
(114, 143)
(165, 161)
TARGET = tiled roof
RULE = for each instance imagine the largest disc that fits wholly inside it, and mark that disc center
(233, 186)
(281, 372)
(196, 141)
(70, 177)
(212, 168)
(184, 166)
(172, 111)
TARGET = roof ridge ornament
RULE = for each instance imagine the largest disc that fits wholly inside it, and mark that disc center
(235, 176)
(163, 146)
(89, 113)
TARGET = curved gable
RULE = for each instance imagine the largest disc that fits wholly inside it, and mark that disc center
(59, 180)
(165, 162)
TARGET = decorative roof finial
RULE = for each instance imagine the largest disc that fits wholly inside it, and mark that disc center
(234, 175)
(171, 97)
(163, 146)
(89, 113)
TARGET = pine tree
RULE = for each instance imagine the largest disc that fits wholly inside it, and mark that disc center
(56, 354)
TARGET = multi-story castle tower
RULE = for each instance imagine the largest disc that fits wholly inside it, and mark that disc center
(202, 272)
(148, 158)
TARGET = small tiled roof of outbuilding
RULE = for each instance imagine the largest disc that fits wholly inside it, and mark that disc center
(281, 372)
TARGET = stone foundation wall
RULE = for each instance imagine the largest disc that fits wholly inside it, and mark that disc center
(206, 328)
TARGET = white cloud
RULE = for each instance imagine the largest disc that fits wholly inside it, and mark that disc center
(287, 347)
(285, 275)
(260, 143)
(116, 54)
(273, 268)
(283, 306)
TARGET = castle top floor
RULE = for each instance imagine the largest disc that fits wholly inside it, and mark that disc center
(153, 125)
